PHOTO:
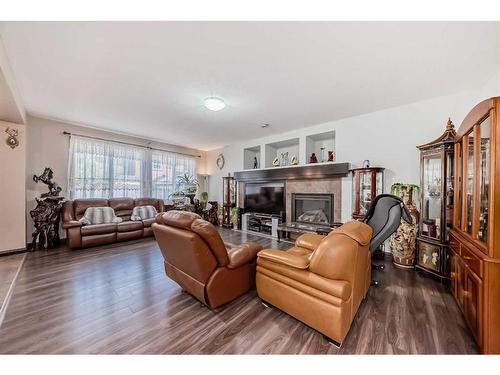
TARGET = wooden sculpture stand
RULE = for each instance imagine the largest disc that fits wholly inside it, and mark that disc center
(46, 218)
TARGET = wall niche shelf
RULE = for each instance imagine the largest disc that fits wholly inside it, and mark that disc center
(275, 149)
(315, 142)
(249, 155)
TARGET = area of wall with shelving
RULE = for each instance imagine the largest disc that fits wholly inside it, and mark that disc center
(320, 144)
(300, 147)
(274, 150)
(251, 154)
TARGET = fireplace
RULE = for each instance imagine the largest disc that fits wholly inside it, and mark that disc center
(313, 208)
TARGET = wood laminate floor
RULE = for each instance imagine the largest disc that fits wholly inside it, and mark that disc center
(117, 299)
(9, 265)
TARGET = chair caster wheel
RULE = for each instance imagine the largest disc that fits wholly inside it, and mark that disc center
(381, 267)
(374, 283)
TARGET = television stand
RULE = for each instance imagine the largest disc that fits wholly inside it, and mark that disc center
(261, 223)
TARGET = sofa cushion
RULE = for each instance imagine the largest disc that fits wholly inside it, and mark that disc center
(338, 288)
(123, 207)
(178, 219)
(128, 226)
(156, 203)
(147, 222)
(90, 230)
(99, 215)
(358, 231)
(81, 205)
(143, 213)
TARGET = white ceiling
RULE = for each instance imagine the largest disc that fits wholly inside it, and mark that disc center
(150, 78)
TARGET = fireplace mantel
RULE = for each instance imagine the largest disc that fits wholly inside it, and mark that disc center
(311, 171)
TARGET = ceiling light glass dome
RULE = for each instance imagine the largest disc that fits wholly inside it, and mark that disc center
(214, 104)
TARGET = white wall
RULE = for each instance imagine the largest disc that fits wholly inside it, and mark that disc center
(387, 138)
(12, 190)
(48, 147)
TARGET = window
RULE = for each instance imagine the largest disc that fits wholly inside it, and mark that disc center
(103, 169)
(166, 167)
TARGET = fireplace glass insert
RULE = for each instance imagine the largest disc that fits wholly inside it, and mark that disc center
(312, 208)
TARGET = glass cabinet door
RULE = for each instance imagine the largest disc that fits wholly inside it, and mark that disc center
(431, 205)
(484, 181)
(380, 183)
(449, 192)
(469, 181)
(365, 192)
(458, 185)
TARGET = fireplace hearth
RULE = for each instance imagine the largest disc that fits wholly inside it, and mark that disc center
(313, 208)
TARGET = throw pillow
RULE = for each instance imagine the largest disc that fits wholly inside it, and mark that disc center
(99, 215)
(143, 213)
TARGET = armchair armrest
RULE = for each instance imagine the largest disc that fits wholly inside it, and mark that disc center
(242, 254)
(71, 224)
(309, 241)
(286, 258)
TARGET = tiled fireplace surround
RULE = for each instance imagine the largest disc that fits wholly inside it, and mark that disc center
(318, 185)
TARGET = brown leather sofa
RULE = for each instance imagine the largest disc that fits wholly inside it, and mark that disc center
(200, 262)
(322, 280)
(79, 236)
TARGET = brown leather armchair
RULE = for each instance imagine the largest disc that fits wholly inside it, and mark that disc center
(322, 280)
(199, 261)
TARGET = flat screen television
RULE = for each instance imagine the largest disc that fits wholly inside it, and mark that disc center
(265, 198)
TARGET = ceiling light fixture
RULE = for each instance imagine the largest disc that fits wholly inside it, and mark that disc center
(214, 104)
(264, 125)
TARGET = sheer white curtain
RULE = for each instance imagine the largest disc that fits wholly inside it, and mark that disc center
(166, 167)
(102, 169)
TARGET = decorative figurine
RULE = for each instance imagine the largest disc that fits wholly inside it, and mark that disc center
(330, 156)
(284, 159)
(46, 213)
(46, 178)
(294, 160)
(276, 162)
(255, 163)
(313, 158)
(322, 154)
(12, 140)
(366, 163)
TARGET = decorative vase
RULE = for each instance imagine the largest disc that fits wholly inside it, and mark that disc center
(403, 241)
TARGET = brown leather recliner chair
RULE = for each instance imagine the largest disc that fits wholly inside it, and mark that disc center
(200, 262)
(322, 280)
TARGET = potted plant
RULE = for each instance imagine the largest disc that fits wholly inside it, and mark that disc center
(177, 197)
(234, 216)
(204, 199)
(188, 185)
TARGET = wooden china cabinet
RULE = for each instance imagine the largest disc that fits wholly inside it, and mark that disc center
(367, 184)
(437, 199)
(475, 236)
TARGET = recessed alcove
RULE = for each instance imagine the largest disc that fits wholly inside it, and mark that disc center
(249, 155)
(276, 149)
(315, 142)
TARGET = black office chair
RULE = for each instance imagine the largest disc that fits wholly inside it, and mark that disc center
(384, 216)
